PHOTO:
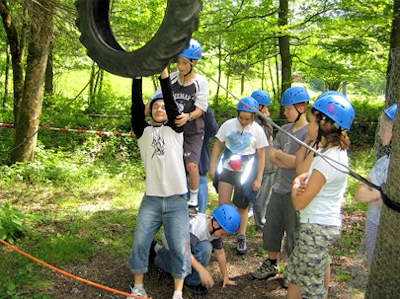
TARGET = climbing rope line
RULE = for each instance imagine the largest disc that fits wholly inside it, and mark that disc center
(388, 202)
(94, 284)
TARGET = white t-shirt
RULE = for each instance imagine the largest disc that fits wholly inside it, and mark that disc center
(325, 208)
(241, 141)
(161, 149)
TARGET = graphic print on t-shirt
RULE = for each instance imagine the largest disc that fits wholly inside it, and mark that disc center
(238, 142)
(158, 142)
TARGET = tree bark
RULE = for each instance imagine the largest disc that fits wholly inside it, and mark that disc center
(17, 47)
(384, 279)
(284, 46)
(48, 82)
(394, 44)
(241, 84)
(6, 75)
(31, 104)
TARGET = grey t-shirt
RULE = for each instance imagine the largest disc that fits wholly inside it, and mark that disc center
(284, 177)
(378, 176)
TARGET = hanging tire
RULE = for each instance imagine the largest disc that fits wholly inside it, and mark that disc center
(181, 19)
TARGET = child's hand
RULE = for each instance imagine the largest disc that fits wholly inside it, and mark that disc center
(228, 282)
(164, 73)
(182, 119)
(256, 185)
(299, 184)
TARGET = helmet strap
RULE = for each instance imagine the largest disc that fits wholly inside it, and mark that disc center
(213, 228)
(298, 113)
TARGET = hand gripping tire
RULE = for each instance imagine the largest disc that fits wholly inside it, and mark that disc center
(180, 20)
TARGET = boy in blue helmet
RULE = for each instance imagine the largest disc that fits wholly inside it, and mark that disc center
(260, 206)
(244, 141)
(206, 235)
(281, 217)
(378, 176)
(191, 94)
(164, 203)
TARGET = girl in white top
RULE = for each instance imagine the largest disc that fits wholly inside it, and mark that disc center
(318, 195)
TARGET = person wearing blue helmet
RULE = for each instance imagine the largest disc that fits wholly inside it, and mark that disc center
(318, 195)
(191, 92)
(164, 203)
(260, 206)
(378, 176)
(206, 234)
(281, 217)
(243, 143)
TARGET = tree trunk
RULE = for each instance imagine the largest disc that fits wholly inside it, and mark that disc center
(284, 46)
(31, 105)
(272, 80)
(241, 84)
(6, 78)
(91, 84)
(394, 44)
(48, 82)
(384, 280)
(17, 47)
(219, 70)
(392, 88)
(227, 86)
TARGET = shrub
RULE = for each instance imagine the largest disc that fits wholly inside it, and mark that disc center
(11, 223)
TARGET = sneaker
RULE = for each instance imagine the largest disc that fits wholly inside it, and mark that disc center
(175, 296)
(137, 292)
(193, 211)
(284, 282)
(197, 290)
(152, 254)
(241, 247)
(266, 270)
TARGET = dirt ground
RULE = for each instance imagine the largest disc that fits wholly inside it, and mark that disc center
(159, 285)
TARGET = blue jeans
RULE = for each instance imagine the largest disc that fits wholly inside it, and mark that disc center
(202, 253)
(172, 213)
(203, 193)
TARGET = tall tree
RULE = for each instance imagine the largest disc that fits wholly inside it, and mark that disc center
(284, 45)
(384, 280)
(28, 114)
(16, 35)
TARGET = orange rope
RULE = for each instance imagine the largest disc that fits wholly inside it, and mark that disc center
(69, 274)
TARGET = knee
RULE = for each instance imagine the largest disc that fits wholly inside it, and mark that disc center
(191, 166)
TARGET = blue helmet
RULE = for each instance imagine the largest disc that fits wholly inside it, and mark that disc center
(391, 112)
(333, 92)
(228, 218)
(295, 95)
(262, 97)
(246, 104)
(337, 108)
(193, 51)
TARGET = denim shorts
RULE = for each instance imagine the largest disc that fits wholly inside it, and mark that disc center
(310, 258)
(171, 213)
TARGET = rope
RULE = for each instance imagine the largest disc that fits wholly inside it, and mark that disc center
(387, 201)
(94, 284)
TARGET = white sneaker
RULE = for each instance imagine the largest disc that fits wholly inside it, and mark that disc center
(137, 292)
(177, 296)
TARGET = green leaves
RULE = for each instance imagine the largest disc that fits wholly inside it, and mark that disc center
(11, 223)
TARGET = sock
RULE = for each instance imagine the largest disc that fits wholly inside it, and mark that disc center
(273, 262)
(139, 286)
(157, 247)
(193, 200)
(177, 293)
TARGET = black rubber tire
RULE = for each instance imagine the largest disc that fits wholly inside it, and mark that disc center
(181, 19)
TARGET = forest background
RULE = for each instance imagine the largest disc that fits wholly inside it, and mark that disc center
(72, 198)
